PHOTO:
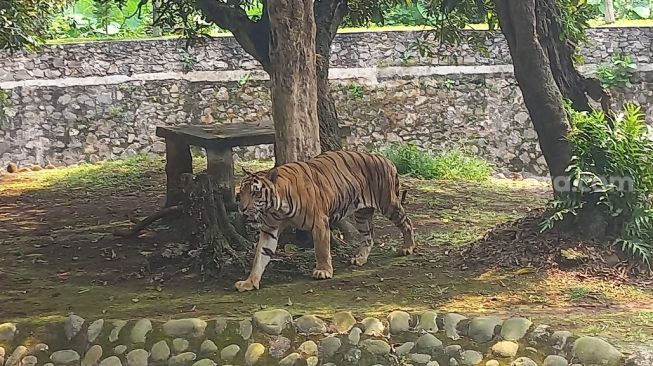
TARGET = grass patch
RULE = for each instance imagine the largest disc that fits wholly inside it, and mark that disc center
(451, 165)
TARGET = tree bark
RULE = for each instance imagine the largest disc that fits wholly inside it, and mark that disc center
(293, 80)
(609, 12)
(534, 75)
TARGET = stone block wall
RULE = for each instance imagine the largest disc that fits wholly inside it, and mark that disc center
(96, 101)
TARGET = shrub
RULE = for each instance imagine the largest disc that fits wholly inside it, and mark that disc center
(610, 179)
(617, 72)
(454, 164)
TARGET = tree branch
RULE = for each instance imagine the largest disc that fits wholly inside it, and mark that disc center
(252, 36)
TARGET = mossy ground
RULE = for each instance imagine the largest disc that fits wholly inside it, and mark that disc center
(57, 255)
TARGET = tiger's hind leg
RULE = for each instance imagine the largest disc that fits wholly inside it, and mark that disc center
(322, 242)
(397, 215)
(365, 226)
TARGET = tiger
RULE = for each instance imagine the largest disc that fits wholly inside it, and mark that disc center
(315, 194)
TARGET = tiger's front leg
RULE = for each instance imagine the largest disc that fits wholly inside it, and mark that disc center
(322, 242)
(267, 245)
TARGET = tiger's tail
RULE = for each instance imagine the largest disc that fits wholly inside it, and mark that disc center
(398, 189)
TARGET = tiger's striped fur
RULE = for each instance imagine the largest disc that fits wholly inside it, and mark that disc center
(315, 194)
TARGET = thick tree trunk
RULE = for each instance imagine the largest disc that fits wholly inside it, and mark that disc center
(609, 12)
(533, 72)
(292, 79)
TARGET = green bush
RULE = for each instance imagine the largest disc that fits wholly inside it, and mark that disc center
(454, 164)
(610, 179)
(617, 72)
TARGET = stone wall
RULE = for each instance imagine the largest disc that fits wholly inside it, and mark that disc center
(96, 101)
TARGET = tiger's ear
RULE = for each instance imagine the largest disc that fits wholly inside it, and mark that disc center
(247, 172)
(273, 174)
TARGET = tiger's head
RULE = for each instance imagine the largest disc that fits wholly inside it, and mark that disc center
(258, 193)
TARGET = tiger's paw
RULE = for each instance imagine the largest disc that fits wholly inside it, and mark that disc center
(358, 261)
(322, 274)
(406, 251)
(246, 285)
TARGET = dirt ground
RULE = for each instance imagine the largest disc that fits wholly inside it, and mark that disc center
(57, 255)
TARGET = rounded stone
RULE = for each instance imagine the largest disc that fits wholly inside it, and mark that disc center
(307, 349)
(523, 361)
(420, 358)
(160, 351)
(220, 325)
(208, 346)
(471, 358)
(92, 356)
(593, 350)
(540, 334)
(354, 336)
(182, 359)
(119, 349)
(453, 362)
(492, 363)
(376, 346)
(140, 330)
(399, 322)
(515, 329)
(450, 323)
(329, 346)
(245, 329)
(64, 357)
(433, 363)
(559, 338)
(453, 350)
(94, 330)
(342, 322)
(115, 332)
(641, 356)
(29, 361)
(205, 362)
(555, 360)
(427, 342)
(17, 355)
(507, 349)
(404, 349)
(272, 321)
(312, 361)
(373, 327)
(310, 324)
(137, 357)
(72, 325)
(279, 346)
(352, 356)
(192, 327)
(7, 332)
(290, 359)
(428, 322)
(180, 345)
(254, 353)
(481, 329)
(230, 352)
(111, 361)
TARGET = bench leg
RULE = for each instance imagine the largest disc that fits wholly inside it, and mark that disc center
(220, 165)
(178, 162)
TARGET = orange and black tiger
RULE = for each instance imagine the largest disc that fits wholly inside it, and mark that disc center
(315, 194)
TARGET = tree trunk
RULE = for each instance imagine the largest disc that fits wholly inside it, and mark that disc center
(533, 72)
(292, 80)
(609, 12)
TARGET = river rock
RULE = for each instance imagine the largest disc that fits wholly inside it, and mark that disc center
(119, 349)
(245, 329)
(272, 321)
(290, 360)
(515, 329)
(29, 361)
(342, 322)
(376, 346)
(453, 350)
(279, 346)
(310, 324)
(192, 327)
(205, 362)
(220, 326)
(592, 350)
(559, 339)
(115, 332)
(432, 363)
(506, 349)
(450, 323)
(398, 322)
(111, 361)
(254, 353)
(7, 332)
(208, 346)
(404, 349)
(354, 336)
(72, 325)
(641, 356)
(94, 330)
(230, 352)
(555, 360)
(428, 342)
(539, 335)
(180, 345)
(137, 357)
(92, 356)
(182, 359)
(160, 351)
(329, 346)
(471, 358)
(64, 357)
(140, 330)
(312, 361)
(373, 327)
(428, 322)
(481, 329)
(307, 349)
(523, 361)
(420, 358)
(17, 355)
(492, 363)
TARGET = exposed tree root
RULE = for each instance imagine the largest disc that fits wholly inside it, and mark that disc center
(142, 224)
